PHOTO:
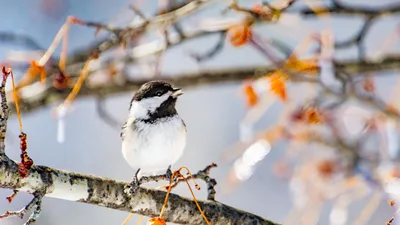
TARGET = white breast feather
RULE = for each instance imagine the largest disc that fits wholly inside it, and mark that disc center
(154, 147)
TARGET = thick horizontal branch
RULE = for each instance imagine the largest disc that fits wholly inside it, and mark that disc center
(51, 95)
(109, 193)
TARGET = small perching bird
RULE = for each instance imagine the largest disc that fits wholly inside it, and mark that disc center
(154, 135)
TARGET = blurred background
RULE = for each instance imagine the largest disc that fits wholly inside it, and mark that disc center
(213, 113)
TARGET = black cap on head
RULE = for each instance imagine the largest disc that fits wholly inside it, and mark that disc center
(152, 89)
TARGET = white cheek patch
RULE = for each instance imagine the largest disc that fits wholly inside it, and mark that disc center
(140, 109)
(153, 103)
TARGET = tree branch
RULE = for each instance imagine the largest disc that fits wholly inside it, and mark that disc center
(353, 10)
(49, 94)
(109, 193)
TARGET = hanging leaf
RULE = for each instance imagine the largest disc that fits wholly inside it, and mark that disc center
(250, 94)
(239, 34)
(156, 221)
(277, 84)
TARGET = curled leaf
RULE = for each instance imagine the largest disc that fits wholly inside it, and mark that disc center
(156, 221)
(239, 34)
(312, 116)
(309, 115)
(250, 94)
(277, 85)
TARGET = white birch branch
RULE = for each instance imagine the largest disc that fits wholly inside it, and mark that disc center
(105, 192)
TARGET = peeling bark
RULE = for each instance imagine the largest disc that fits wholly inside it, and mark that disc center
(109, 193)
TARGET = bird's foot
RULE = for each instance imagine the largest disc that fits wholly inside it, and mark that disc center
(133, 187)
(168, 174)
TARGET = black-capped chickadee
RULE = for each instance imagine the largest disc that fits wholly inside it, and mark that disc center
(154, 135)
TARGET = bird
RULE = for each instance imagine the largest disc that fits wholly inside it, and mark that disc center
(154, 134)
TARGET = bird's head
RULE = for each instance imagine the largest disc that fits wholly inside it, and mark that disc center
(154, 99)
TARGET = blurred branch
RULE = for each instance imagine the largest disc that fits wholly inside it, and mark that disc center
(124, 34)
(19, 39)
(342, 9)
(5, 112)
(105, 115)
(109, 193)
(51, 95)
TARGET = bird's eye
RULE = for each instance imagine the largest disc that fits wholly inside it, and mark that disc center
(159, 93)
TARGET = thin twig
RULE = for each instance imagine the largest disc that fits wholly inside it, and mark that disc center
(35, 202)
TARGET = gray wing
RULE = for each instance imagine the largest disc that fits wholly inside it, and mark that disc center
(129, 125)
(123, 130)
(184, 125)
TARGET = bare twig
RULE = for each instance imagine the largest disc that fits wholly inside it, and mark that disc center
(202, 175)
(5, 113)
(34, 203)
(213, 51)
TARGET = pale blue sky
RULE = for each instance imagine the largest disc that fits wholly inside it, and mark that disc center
(212, 114)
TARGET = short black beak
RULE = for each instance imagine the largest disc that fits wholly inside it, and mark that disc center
(176, 92)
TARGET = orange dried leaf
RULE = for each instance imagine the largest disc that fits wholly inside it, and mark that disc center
(75, 20)
(75, 90)
(391, 202)
(239, 34)
(156, 221)
(250, 95)
(38, 69)
(11, 197)
(277, 85)
(308, 115)
(33, 70)
(312, 116)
